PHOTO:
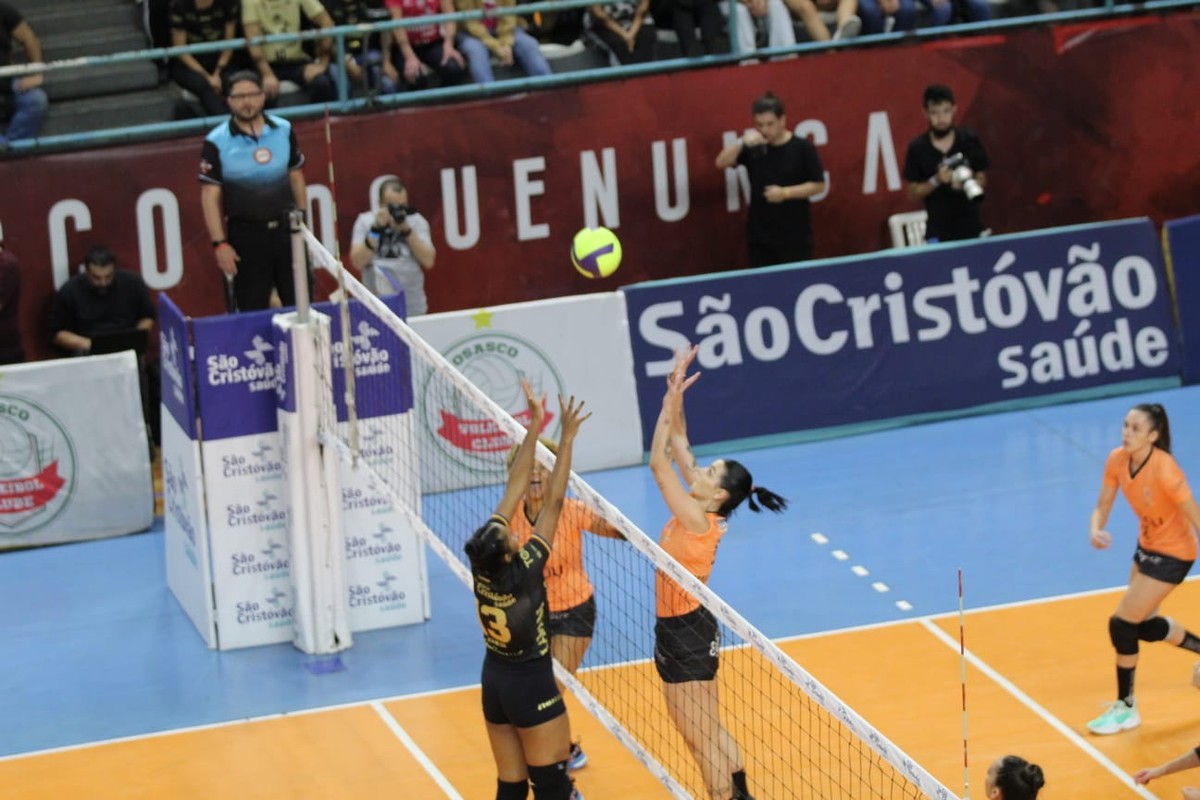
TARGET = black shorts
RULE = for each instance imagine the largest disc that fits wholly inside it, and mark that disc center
(1167, 569)
(578, 620)
(686, 647)
(523, 694)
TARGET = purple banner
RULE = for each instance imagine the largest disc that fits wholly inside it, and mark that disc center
(178, 379)
(382, 367)
(936, 329)
(1183, 250)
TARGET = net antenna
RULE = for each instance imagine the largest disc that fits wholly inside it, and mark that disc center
(343, 306)
(796, 739)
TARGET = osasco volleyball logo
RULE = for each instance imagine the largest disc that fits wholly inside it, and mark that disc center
(37, 466)
(495, 362)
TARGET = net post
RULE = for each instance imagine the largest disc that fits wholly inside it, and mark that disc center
(299, 264)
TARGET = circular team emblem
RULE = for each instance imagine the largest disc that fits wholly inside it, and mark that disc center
(262, 155)
(37, 466)
(495, 362)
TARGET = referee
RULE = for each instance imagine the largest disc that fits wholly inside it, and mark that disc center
(250, 176)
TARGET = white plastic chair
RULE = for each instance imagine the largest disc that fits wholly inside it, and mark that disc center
(908, 229)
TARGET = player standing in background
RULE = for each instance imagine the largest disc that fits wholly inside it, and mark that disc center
(523, 709)
(687, 640)
(569, 591)
(1157, 491)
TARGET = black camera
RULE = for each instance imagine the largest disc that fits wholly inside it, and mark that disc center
(960, 168)
(400, 212)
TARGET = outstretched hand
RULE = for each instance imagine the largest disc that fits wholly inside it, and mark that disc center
(572, 417)
(678, 380)
(537, 407)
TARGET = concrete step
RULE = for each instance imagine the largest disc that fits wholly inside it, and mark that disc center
(52, 18)
(72, 84)
(98, 41)
(98, 113)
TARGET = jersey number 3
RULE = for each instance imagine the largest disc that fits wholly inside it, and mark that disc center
(495, 624)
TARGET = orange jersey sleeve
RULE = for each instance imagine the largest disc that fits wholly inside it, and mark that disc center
(1155, 495)
(567, 583)
(697, 552)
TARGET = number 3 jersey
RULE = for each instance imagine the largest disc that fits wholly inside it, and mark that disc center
(512, 605)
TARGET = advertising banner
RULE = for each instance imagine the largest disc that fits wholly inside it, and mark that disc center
(65, 475)
(573, 345)
(522, 173)
(185, 523)
(1182, 242)
(940, 329)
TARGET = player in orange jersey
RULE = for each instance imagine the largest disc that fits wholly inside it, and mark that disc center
(686, 636)
(1157, 491)
(569, 592)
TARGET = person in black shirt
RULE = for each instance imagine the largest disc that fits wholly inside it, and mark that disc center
(784, 172)
(196, 22)
(11, 351)
(100, 299)
(523, 709)
(953, 215)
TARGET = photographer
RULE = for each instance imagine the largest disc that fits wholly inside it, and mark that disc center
(945, 167)
(392, 247)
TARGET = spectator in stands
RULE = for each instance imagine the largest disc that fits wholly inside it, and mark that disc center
(784, 172)
(22, 100)
(99, 299)
(942, 12)
(685, 17)
(619, 25)
(847, 23)
(1189, 760)
(950, 201)
(288, 61)
(364, 60)
(11, 351)
(201, 22)
(393, 248)
(887, 16)
(772, 14)
(1013, 778)
(502, 38)
(413, 54)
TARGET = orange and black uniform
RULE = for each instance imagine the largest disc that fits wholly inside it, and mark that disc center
(569, 592)
(686, 636)
(518, 675)
(1166, 541)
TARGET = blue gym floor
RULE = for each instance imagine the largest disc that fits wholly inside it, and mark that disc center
(96, 648)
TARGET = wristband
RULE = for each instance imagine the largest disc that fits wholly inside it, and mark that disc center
(217, 243)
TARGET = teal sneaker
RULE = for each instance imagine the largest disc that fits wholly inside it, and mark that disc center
(1118, 717)
(578, 759)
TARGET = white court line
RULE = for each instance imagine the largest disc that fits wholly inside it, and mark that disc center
(417, 752)
(1037, 709)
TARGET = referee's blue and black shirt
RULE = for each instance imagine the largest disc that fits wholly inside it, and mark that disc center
(252, 171)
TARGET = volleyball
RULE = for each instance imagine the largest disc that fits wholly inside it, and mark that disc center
(596, 252)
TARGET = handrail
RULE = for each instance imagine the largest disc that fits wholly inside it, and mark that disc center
(347, 104)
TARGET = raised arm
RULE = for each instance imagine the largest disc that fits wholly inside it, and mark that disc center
(670, 434)
(522, 465)
(572, 418)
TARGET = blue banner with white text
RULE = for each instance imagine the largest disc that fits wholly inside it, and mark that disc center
(1183, 248)
(178, 379)
(907, 332)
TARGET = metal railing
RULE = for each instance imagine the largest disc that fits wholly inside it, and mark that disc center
(346, 103)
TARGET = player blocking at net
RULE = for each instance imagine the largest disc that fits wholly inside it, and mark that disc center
(570, 595)
(523, 708)
(687, 640)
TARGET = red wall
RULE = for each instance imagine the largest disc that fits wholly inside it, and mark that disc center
(1082, 124)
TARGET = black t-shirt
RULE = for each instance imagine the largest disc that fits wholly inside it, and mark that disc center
(203, 24)
(350, 12)
(10, 18)
(951, 215)
(788, 164)
(80, 309)
(10, 295)
(512, 608)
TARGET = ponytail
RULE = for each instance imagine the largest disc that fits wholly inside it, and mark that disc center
(740, 486)
(1158, 422)
(487, 547)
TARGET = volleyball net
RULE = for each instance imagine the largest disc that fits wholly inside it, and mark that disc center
(794, 737)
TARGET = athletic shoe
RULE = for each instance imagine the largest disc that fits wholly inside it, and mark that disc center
(576, 795)
(1119, 717)
(577, 759)
(849, 28)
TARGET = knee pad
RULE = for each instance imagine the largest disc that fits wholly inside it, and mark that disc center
(1154, 629)
(1124, 636)
(551, 782)
(515, 790)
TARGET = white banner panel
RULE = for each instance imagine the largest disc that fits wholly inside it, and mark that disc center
(573, 345)
(385, 562)
(247, 518)
(74, 457)
(189, 570)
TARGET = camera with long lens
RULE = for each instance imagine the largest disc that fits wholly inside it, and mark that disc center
(400, 212)
(962, 174)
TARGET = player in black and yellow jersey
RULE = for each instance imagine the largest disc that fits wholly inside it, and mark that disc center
(523, 710)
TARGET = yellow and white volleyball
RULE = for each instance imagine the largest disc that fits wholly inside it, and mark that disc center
(18, 450)
(596, 252)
